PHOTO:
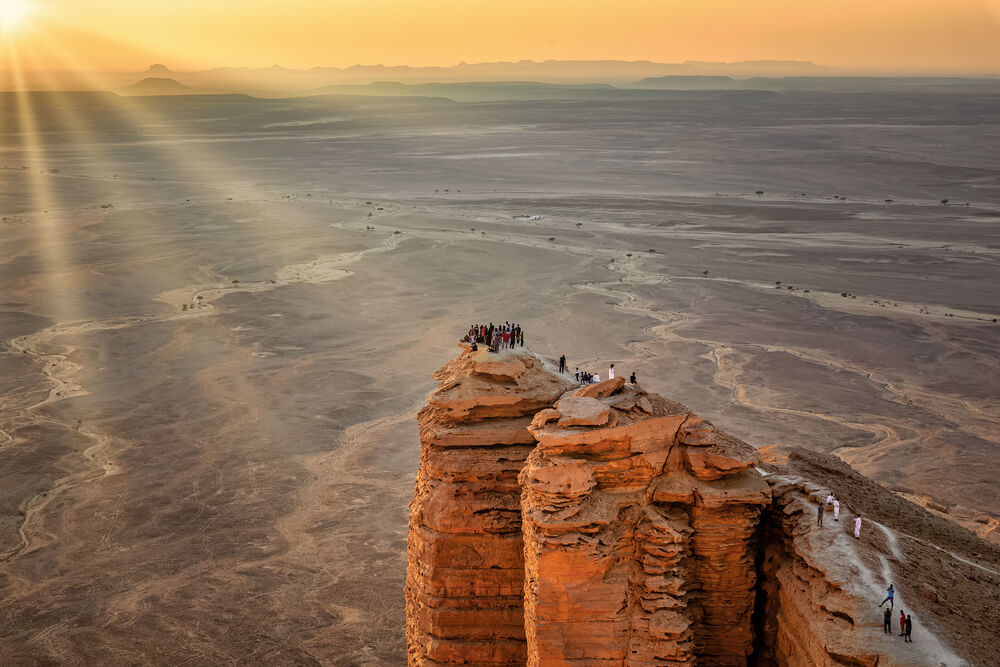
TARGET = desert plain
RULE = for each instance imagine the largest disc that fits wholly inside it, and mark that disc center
(220, 314)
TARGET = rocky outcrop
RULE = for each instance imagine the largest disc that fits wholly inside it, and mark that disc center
(604, 525)
(466, 566)
(639, 521)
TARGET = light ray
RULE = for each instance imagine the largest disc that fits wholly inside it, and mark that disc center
(45, 213)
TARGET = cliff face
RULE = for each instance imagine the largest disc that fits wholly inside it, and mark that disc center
(638, 525)
(466, 558)
(605, 525)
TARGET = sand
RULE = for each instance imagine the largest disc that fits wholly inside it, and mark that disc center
(226, 478)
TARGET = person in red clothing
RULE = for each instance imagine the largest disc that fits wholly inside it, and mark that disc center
(902, 623)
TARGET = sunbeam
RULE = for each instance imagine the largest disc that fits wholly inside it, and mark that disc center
(56, 290)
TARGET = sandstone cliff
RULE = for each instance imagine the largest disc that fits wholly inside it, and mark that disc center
(638, 524)
(603, 525)
(466, 565)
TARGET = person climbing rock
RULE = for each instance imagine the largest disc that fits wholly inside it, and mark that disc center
(857, 528)
(836, 510)
(611, 372)
(902, 622)
(819, 514)
(909, 629)
(887, 622)
(562, 363)
(889, 594)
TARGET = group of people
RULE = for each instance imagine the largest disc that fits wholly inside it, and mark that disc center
(586, 377)
(905, 622)
(497, 337)
(835, 503)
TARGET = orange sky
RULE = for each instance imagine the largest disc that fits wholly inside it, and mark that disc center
(913, 35)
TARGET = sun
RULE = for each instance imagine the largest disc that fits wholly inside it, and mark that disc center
(13, 13)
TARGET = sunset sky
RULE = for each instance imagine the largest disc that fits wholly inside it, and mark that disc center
(118, 35)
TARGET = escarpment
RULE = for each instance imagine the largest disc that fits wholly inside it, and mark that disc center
(638, 524)
(603, 525)
(466, 557)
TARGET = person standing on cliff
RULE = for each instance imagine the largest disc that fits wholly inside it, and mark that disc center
(611, 372)
(562, 364)
(819, 514)
(836, 510)
(909, 629)
(632, 379)
(889, 595)
(887, 622)
(857, 528)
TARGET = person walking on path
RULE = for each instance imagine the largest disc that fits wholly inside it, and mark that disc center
(836, 510)
(611, 372)
(577, 373)
(562, 364)
(902, 622)
(889, 594)
(857, 528)
(819, 514)
(887, 622)
(909, 629)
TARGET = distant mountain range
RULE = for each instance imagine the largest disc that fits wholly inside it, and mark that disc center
(549, 71)
(525, 79)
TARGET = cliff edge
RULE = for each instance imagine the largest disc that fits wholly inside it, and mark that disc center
(605, 525)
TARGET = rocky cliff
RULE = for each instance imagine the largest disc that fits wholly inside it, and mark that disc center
(465, 578)
(604, 525)
(639, 520)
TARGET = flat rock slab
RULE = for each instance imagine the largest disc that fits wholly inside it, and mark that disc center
(499, 370)
(580, 411)
(601, 389)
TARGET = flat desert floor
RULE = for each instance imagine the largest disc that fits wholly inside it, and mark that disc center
(219, 316)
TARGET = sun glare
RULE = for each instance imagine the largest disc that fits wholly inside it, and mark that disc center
(13, 13)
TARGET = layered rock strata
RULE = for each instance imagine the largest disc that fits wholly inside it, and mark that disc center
(639, 521)
(603, 525)
(466, 566)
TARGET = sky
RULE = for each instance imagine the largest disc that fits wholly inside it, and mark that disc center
(873, 35)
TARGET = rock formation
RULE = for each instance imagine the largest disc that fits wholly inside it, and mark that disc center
(604, 525)
(638, 525)
(466, 564)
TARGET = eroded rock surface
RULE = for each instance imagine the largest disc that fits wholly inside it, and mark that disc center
(466, 573)
(638, 547)
(603, 525)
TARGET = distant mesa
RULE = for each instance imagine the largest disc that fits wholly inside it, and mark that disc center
(154, 85)
(687, 82)
(159, 70)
